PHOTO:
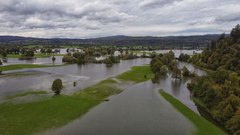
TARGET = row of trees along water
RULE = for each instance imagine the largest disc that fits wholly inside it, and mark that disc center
(89, 55)
(80, 55)
(218, 93)
(163, 63)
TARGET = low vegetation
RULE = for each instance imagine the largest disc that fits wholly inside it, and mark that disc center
(137, 74)
(203, 126)
(29, 118)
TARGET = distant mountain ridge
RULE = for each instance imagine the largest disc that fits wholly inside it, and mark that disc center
(119, 40)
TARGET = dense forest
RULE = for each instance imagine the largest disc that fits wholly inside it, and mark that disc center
(218, 93)
(191, 42)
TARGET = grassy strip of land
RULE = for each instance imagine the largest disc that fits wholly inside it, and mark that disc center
(33, 117)
(24, 66)
(203, 126)
(137, 74)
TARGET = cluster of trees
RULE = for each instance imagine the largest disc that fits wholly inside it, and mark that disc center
(162, 63)
(184, 57)
(24, 51)
(49, 51)
(89, 57)
(112, 59)
(225, 53)
(219, 92)
(5, 50)
(75, 58)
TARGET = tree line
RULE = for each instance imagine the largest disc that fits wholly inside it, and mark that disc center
(219, 91)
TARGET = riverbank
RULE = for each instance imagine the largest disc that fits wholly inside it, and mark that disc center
(203, 126)
(33, 117)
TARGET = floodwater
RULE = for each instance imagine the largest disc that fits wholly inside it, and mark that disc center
(46, 61)
(42, 78)
(139, 110)
(178, 52)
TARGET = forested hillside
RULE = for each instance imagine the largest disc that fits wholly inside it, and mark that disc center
(218, 93)
(192, 42)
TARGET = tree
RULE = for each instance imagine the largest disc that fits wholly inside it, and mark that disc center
(220, 75)
(183, 57)
(29, 53)
(235, 33)
(186, 72)
(156, 66)
(176, 72)
(233, 77)
(1, 62)
(163, 70)
(53, 60)
(234, 123)
(108, 62)
(221, 37)
(57, 86)
(49, 51)
(4, 54)
(228, 111)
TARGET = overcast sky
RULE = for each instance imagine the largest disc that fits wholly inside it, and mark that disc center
(97, 18)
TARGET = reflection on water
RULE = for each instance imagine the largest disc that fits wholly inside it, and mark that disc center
(47, 61)
(176, 83)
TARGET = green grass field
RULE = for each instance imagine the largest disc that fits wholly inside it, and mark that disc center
(34, 117)
(204, 127)
(136, 74)
(24, 66)
(27, 93)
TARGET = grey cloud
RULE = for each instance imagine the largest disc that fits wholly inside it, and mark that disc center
(50, 14)
(228, 18)
(156, 3)
(93, 18)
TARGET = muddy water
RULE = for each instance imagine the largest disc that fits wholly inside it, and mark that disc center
(85, 75)
(139, 110)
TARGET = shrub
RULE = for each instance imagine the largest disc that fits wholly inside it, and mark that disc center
(57, 86)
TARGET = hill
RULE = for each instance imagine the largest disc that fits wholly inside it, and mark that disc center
(170, 41)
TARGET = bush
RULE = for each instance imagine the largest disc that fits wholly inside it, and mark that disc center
(183, 57)
(69, 59)
(57, 86)
(186, 72)
(108, 62)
